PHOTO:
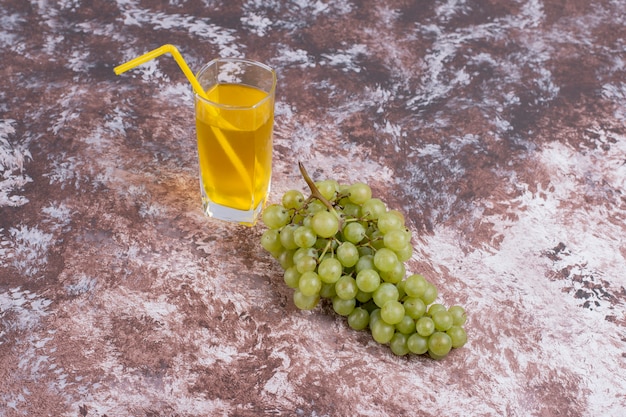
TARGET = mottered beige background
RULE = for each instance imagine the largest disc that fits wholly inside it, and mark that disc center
(497, 127)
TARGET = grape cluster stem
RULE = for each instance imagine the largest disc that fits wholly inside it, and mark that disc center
(315, 193)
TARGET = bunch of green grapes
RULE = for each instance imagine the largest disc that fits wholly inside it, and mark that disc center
(343, 245)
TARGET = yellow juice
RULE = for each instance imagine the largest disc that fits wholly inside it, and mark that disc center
(235, 145)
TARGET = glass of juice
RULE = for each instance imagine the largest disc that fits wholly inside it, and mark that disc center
(234, 125)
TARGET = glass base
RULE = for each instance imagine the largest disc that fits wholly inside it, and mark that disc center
(229, 214)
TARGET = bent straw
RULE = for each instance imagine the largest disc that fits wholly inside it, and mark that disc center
(149, 56)
(197, 88)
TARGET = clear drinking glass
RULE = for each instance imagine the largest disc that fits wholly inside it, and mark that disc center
(234, 128)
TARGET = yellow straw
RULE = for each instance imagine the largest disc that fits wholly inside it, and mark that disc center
(197, 88)
(149, 56)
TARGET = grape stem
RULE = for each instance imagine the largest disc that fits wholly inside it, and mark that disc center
(328, 246)
(316, 193)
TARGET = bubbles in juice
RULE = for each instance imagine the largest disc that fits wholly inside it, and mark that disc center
(237, 175)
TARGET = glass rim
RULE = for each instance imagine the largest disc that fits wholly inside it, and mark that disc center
(267, 68)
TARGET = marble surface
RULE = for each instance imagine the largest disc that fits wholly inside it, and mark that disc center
(497, 127)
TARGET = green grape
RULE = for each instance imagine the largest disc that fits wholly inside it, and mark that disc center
(366, 251)
(285, 258)
(373, 208)
(363, 297)
(291, 276)
(417, 344)
(309, 284)
(298, 218)
(375, 237)
(321, 243)
(347, 254)
(359, 193)
(364, 262)
(406, 325)
(435, 308)
(439, 344)
(374, 313)
(435, 357)
(328, 189)
(342, 306)
(304, 302)
(443, 320)
(399, 214)
(275, 216)
(352, 210)
(306, 219)
(430, 294)
(327, 290)
(325, 224)
(315, 206)
(396, 240)
(457, 336)
(346, 287)
(367, 280)
(342, 197)
(400, 287)
(385, 292)
(385, 259)
(395, 275)
(286, 236)
(415, 285)
(398, 344)
(304, 237)
(424, 326)
(305, 264)
(392, 312)
(353, 232)
(414, 307)
(390, 221)
(382, 332)
(293, 199)
(303, 252)
(330, 270)
(405, 253)
(270, 240)
(359, 318)
(458, 315)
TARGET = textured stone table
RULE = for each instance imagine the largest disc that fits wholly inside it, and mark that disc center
(497, 127)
